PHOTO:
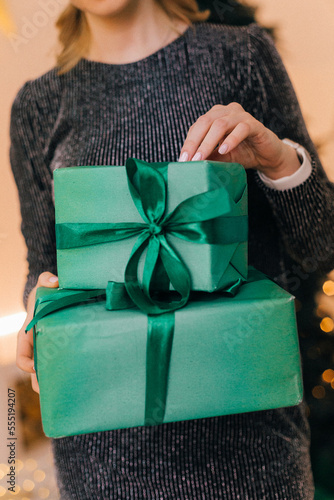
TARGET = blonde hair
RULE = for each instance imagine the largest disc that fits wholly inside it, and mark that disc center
(74, 36)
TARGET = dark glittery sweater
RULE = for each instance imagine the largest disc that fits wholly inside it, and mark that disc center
(101, 114)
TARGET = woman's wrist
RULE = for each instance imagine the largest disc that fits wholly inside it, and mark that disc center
(295, 179)
(288, 164)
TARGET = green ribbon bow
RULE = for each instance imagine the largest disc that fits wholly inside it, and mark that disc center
(163, 266)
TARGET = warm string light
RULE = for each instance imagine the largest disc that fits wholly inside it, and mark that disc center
(321, 311)
(328, 288)
(43, 493)
(7, 25)
(17, 491)
(318, 392)
(39, 475)
(28, 485)
(327, 325)
(328, 376)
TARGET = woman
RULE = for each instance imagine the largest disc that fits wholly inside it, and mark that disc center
(134, 79)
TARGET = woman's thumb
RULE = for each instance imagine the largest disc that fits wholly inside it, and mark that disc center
(48, 279)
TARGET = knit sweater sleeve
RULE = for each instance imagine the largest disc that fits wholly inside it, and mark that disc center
(28, 128)
(304, 213)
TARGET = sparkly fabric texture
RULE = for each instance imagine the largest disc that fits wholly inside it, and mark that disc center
(248, 457)
(102, 114)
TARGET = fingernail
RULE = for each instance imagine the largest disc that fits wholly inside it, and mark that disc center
(223, 149)
(184, 156)
(53, 279)
(197, 157)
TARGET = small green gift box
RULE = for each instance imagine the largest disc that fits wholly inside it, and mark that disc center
(102, 370)
(195, 212)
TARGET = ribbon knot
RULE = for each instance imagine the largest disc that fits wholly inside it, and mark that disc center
(155, 229)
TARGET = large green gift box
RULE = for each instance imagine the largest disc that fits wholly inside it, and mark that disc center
(91, 201)
(227, 355)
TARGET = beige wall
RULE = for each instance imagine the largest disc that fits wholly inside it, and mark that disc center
(306, 44)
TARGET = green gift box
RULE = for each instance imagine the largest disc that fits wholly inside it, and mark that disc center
(93, 202)
(100, 370)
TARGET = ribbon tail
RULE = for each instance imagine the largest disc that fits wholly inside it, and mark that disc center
(68, 298)
(160, 334)
(233, 289)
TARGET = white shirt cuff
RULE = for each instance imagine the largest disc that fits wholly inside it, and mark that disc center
(295, 179)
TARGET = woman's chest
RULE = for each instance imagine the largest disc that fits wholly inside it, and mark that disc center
(105, 124)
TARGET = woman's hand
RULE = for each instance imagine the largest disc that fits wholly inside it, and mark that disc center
(25, 346)
(240, 139)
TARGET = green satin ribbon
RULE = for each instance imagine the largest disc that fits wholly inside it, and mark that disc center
(148, 189)
(160, 333)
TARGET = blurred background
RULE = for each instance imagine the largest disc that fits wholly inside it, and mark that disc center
(305, 39)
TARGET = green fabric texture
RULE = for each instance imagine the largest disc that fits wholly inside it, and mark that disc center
(227, 355)
(123, 223)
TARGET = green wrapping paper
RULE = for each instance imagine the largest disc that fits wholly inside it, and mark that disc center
(228, 355)
(101, 195)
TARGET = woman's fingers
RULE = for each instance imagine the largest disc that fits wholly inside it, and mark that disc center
(25, 351)
(195, 136)
(217, 133)
(224, 125)
(34, 383)
(25, 343)
(239, 134)
(198, 131)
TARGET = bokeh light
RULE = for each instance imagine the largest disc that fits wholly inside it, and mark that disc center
(328, 288)
(28, 485)
(328, 376)
(43, 493)
(2, 491)
(327, 325)
(321, 311)
(17, 490)
(39, 475)
(318, 392)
